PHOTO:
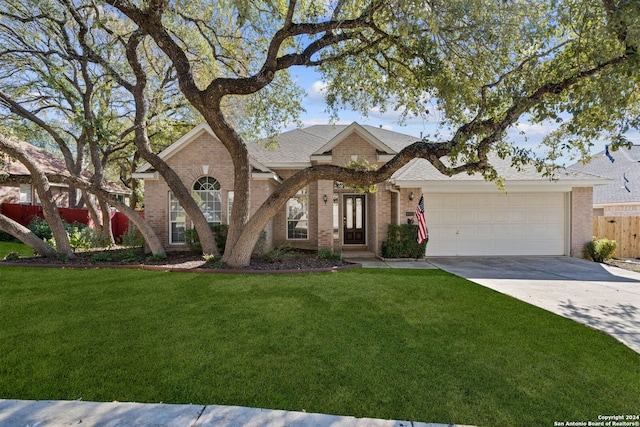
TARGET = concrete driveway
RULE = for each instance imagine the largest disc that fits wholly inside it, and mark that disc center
(603, 297)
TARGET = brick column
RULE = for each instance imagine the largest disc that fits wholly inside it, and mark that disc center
(581, 219)
(325, 215)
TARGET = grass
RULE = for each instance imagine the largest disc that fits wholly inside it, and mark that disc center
(418, 345)
(20, 248)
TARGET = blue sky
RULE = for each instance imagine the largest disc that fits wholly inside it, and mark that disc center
(524, 135)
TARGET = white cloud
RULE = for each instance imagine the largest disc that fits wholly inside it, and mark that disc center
(316, 93)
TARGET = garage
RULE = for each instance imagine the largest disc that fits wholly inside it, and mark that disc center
(468, 224)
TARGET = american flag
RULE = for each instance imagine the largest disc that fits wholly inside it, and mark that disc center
(422, 221)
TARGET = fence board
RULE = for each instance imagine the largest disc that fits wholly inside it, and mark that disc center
(625, 230)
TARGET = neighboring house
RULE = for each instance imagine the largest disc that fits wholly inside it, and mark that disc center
(15, 179)
(621, 196)
(465, 214)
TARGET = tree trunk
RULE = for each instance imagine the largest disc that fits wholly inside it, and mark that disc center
(94, 214)
(43, 187)
(140, 223)
(107, 230)
(26, 236)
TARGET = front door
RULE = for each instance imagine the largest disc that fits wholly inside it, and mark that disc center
(353, 221)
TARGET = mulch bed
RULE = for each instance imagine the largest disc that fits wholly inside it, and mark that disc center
(295, 261)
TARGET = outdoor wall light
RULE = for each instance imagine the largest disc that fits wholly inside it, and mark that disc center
(325, 198)
(411, 196)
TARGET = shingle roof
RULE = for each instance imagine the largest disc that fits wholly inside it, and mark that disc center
(626, 164)
(296, 146)
(422, 170)
(50, 164)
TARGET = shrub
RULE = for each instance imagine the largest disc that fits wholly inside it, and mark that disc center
(329, 254)
(156, 257)
(81, 236)
(6, 237)
(12, 256)
(220, 232)
(40, 228)
(132, 238)
(192, 239)
(601, 250)
(278, 254)
(402, 242)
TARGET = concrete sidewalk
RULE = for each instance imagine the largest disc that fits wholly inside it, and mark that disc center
(40, 413)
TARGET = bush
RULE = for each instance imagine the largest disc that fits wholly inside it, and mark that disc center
(220, 232)
(329, 254)
(601, 250)
(12, 256)
(280, 253)
(192, 239)
(40, 228)
(132, 238)
(6, 237)
(402, 242)
(81, 236)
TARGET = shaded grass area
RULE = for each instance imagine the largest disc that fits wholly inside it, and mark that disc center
(20, 248)
(419, 345)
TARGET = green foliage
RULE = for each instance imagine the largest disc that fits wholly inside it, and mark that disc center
(12, 256)
(220, 234)
(156, 257)
(601, 250)
(402, 242)
(260, 247)
(128, 255)
(362, 165)
(6, 237)
(80, 235)
(132, 238)
(329, 254)
(213, 261)
(40, 228)
(192, 239)
(279, 253)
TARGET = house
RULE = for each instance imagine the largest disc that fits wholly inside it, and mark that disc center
(465, 214)
(621, 196)
(15, 179)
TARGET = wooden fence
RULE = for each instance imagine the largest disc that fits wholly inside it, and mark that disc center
(625, 230)
(24, 214)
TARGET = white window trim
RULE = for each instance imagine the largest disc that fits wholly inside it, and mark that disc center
(170, 222)
(286, 225)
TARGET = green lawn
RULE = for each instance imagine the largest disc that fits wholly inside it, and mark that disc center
(420, 345)
(8, 247)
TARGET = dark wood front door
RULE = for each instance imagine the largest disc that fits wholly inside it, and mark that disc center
(354, 220)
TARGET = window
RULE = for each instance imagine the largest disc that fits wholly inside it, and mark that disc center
(26, 194)
(206, 193)
(177, 221)
(229, 206)
(297, 216)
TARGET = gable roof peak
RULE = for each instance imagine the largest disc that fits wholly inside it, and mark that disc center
(354, 127)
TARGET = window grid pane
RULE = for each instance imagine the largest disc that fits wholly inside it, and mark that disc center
(206, 193)
(297, 216)
(177, 221)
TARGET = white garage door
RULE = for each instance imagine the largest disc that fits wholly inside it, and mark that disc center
(495, 224)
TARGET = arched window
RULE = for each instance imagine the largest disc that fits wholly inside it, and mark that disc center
(206, 193)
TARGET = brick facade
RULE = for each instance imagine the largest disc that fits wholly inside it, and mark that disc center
(581, 219)
(204, 155)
